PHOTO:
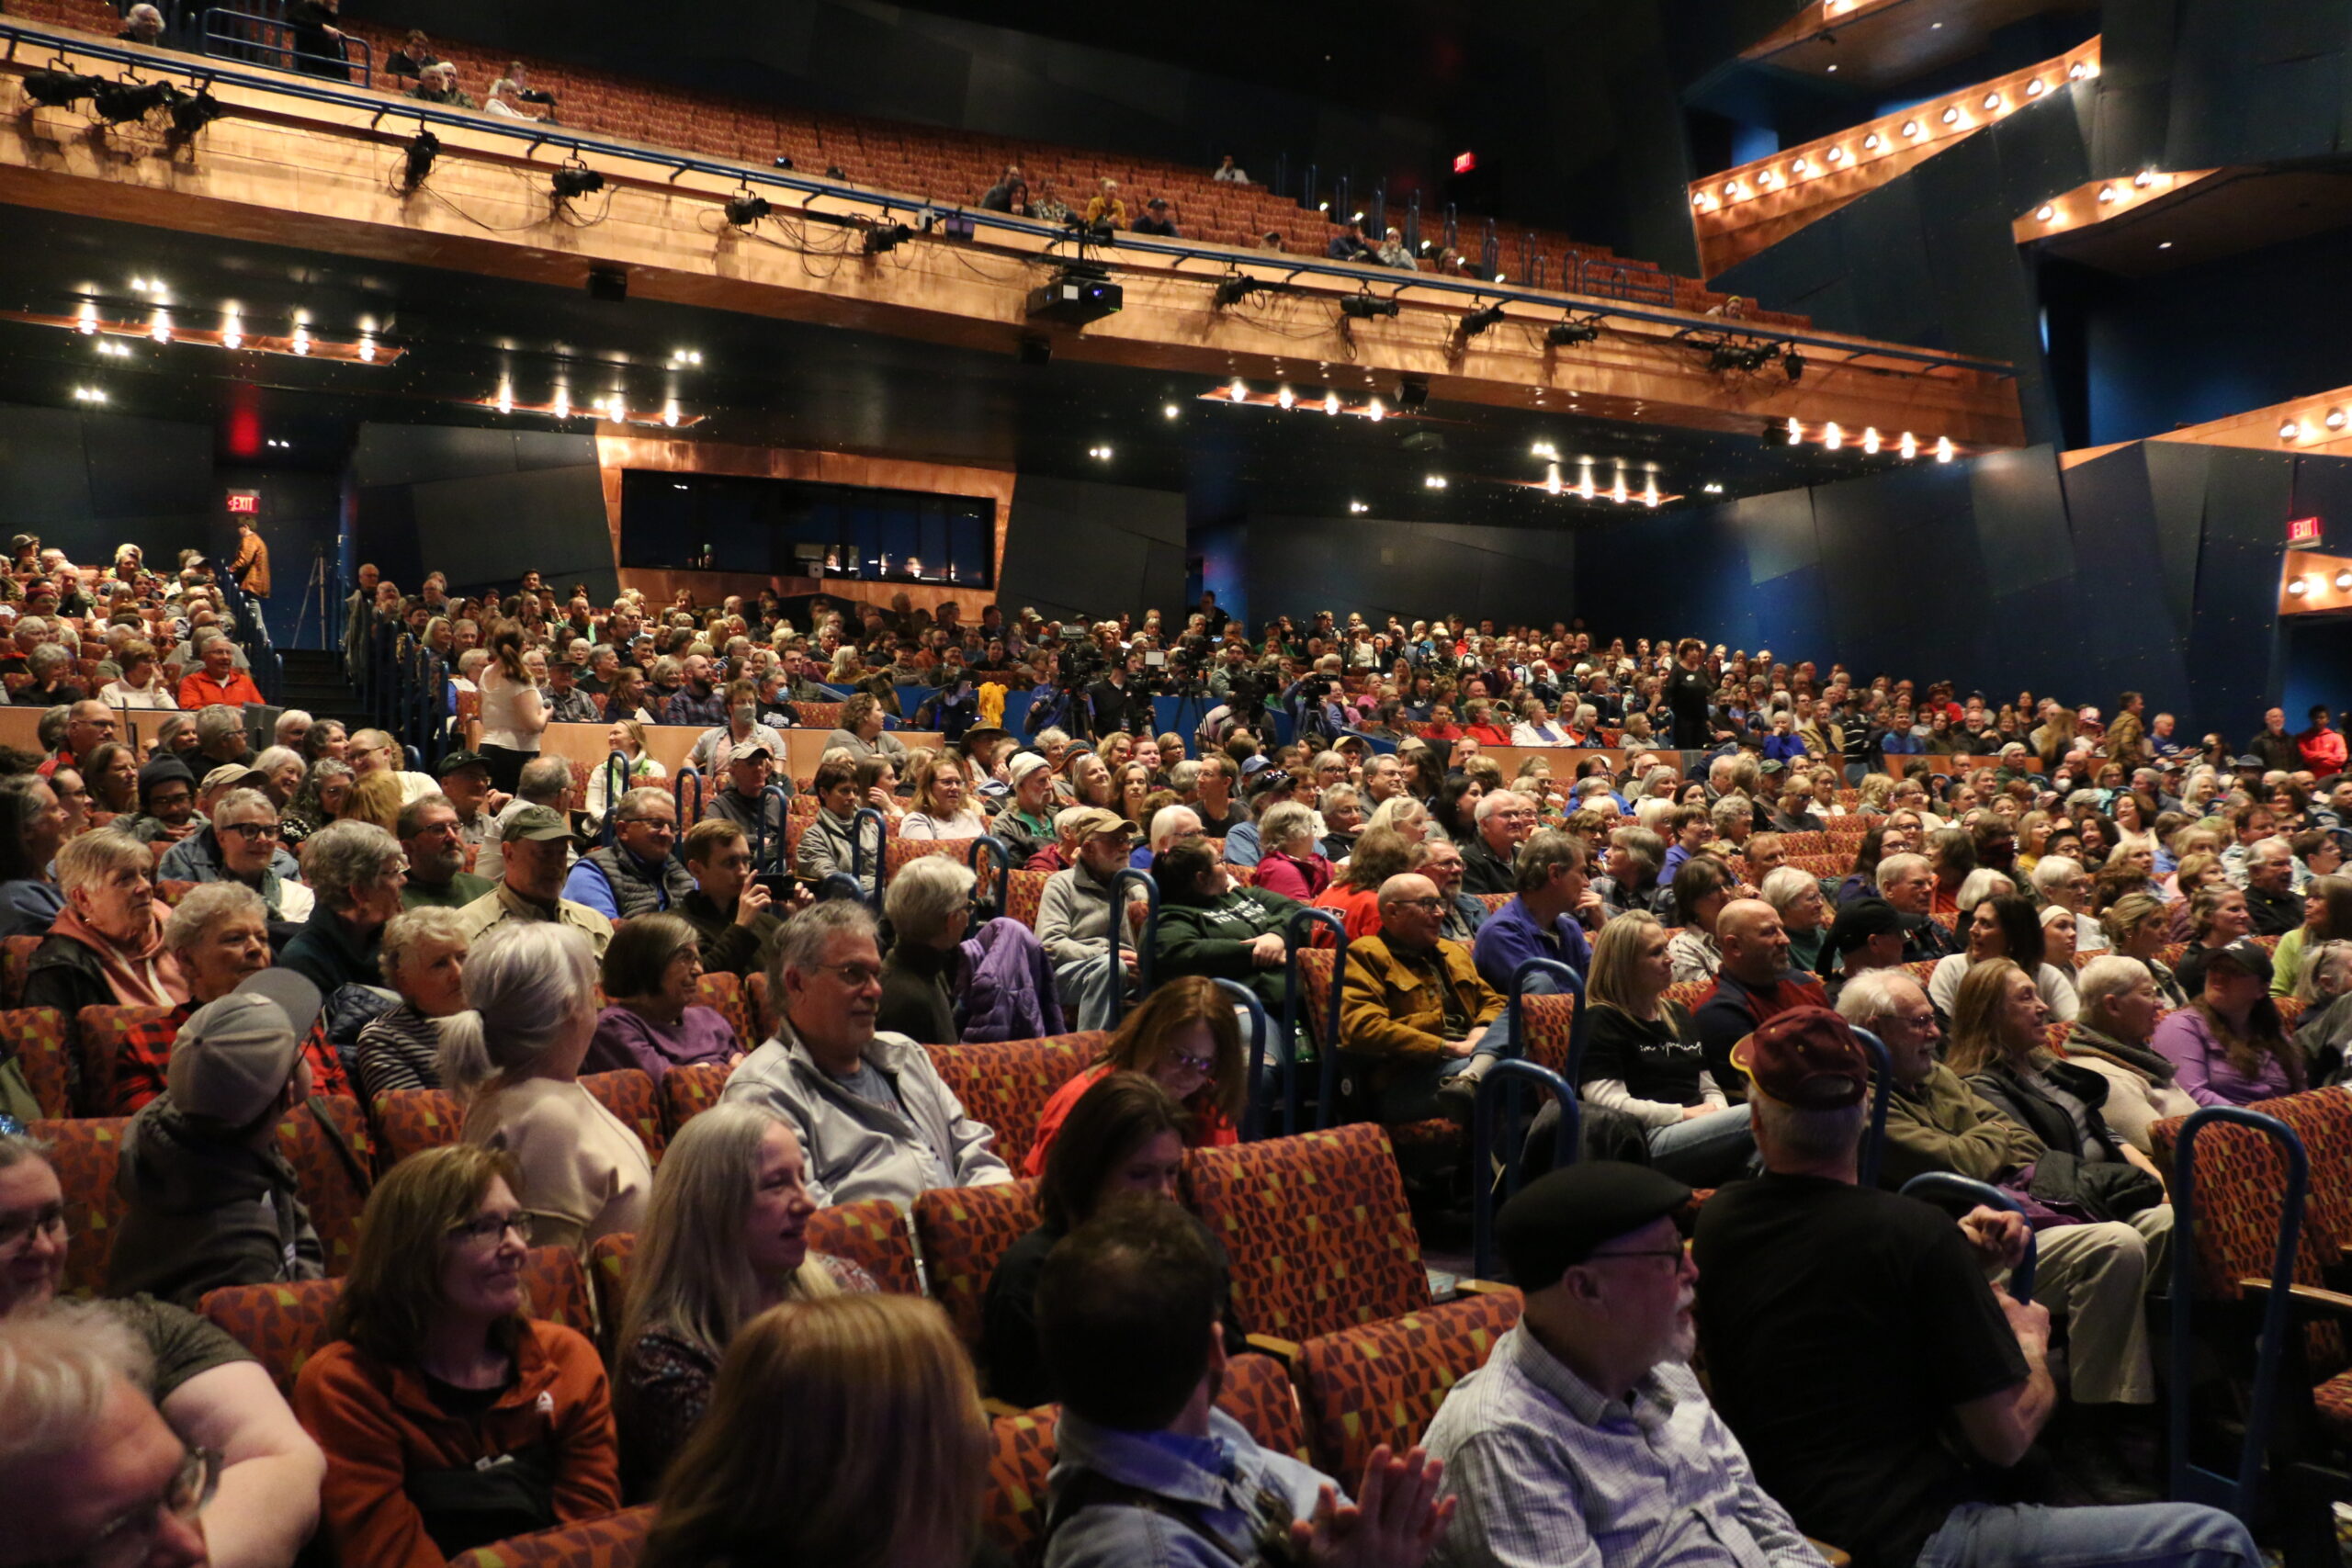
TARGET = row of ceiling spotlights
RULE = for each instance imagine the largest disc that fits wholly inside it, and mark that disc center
(2312, 582)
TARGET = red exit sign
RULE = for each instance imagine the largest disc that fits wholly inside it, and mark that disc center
(244, 502)
(1463, 162)
(2302, 531)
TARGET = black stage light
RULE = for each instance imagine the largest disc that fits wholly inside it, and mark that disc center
(116, 102)
(1742, 355)
(887, 237)
(1568, 335)
(1078, 295)
(1363, 307)
(1479, 321)
(423, 148)
(576, 179)
(1412, 394)
(1234, 290)
(1793, 363)
(743, 209)
(191, 112)
(56, 89)
(835, 172)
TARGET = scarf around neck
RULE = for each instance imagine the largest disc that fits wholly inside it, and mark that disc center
(148, 976)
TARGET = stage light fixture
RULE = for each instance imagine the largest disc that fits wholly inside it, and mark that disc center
(1412, 394)
(1913, 128)
(1832, 437)
(576, 179)
(1873, 142)
(59, 89)
(2143, 180)
(2290, 430)
(2078, 71)
(1373, 411)
(423, 148)
(1236, 286)
(116, 102)
(2336, 419)
(2047, 213)
(2035, 88)
(1168, 411)
(743, 209)
(887, 237)
(1909, 447)
(1991, 102)
(191, 112)
(1794, 364)
(782, 161)
(1944, 449)
(1871, 441)
(1239, 391)
(1569, 333)
(2298, 587)
(1729, 355)
(2344, 579)
(1358, 508)
(1284, 397)
(1950, 115)
(1478, 321)
(1363, 307)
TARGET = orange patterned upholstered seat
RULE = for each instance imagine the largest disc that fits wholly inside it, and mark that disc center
(15, 963)
(613, 1540)
(1382, 1382)
(628, 1094)
(407, 1120)
(1317, 1228)
(1004, 1084)
(1549, 1019)
(873, 1234)
(724, 992)
(965, 1232)
(99, 1035)
(85, 1154)
(1027, 890)
(41, 1040)
(689, 1090)
(334, 1166)
(608, 1267)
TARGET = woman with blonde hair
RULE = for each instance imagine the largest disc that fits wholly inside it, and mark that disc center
(435, 1369)
(375, 799)
(725, 1239)
(1643, 1058)
(514, 1057)
(941, 806)
(627, 737)
(843, 1431)
(1403, 814)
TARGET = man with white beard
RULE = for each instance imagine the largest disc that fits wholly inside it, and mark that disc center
(1585, 1437)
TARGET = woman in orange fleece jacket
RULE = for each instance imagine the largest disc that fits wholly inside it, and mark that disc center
(451, 1419)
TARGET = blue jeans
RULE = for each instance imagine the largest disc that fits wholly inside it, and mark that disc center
(2160, 1535)
(1412, 1096)
(1706, 1151)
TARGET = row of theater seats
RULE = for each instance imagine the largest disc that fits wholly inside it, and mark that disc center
(957, 166)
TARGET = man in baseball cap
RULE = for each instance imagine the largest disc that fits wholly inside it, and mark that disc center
(1075, 911)
(1867, 935)
(1853, 1341)
(536, 847)
(1585, 1437)
(211, 1201)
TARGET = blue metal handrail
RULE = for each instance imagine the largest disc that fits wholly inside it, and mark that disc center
(245, 41)
(616, 777)
(1882, 1096)
(678, 795)
(761, 859)
(857, 822)
(1327, 1049)
(2193, 1482)
(1499, 1079)
(759, 180)
(1938, 1184)
(1571, 984)
(999, 854)
(1147, 946)
(1262, 1028)
(841, 885)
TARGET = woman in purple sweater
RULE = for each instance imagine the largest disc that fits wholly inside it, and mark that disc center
(2228, 1045)
(653, 1022)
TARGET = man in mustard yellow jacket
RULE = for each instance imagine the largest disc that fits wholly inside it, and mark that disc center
(1415, 1002)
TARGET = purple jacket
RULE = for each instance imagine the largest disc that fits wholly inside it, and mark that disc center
(624, 1039)
(1009, 994)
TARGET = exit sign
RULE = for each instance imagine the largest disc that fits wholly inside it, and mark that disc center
(2303, 532)
(1463, 162)
(244, 502)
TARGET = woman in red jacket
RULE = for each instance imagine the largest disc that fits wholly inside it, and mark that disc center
(1184, 1038)
(451, 1419)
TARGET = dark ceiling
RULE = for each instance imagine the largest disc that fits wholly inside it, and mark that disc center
(767, 382)
(2228, 213)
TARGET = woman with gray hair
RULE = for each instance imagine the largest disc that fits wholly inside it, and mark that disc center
(106, 947)
(515, 1056)
(1290, 863)
(317, 802)
(2119, 1003)
(1804, 914)
(357, 870)
(929, 904)
(424, 955)
(653, 974)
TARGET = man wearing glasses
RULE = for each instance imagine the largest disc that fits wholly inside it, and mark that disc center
(1415, 1002)
(120, 1419)
(1505, 821)
(241, 843)
(636, 874)
(871, 1112)
(1585, 1437)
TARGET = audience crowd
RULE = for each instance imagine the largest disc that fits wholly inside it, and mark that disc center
(2078, 926)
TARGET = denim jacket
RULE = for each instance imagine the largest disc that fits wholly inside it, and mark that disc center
(1224, 1484)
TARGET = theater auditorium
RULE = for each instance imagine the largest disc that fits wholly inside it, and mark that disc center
(1481, 784)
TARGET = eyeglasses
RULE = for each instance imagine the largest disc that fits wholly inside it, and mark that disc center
(1203, 1064)
(254, 832)
(1430, 903)
(489, 1228)
(855, 976)
(17, 1230)
(125, 1539)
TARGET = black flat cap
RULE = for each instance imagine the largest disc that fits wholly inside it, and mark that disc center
(1562, 1219)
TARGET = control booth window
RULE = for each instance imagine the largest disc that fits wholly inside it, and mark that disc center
(795, 528)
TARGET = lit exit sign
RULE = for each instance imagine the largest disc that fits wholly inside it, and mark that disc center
(1464, 162)
(247, 502)
(2303, 532)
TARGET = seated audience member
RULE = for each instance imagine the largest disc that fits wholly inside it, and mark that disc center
(636, 874)
(1075, 912)
(433, 840)
(1147, 1468)
(1414, 1002)
(2110, 1037)
(424, 955)
(281, 769)
(373, 752)
(869, 1109)
(725, 1239)
(2326, 1026)
(1184, 1038)
(166, 801)
(742, 797)
(1539, 920)
(375, 798)
(241, 843)
(731, 912)
(1703, 888)
(1631, 879)
(1342, 811)
(829, 844)
(136, 1431)
(1289, 863)
(929, 905)
(1866, 935)
(1754, 984)
(1504, 821)
(106, 947)
(2218, 916)
(862, 734)
(2063, 884)
(1212, 927)
(1026, 821)
(1156, 220)
(218, 680)
(942, 805)
(2270, 896)
(2139, 927)
(1380, 853)
(1642, 1059)
(513, 1057)
(1124, 1134)
(32, 828)
(1464, 913)
(537, 847)
(1586, 1438)
(544, 781)
(2228, 1045)
(1267, 788)
(882, 1459)
(357, 872)
(209, 1200)
(2326, 917)
(1908, 883)
(434, 1372)
(2006, 926)
(651, 972)
(638, 767)
(1850, 1333)
(1804, 914)
(219, 934)
(316, 804)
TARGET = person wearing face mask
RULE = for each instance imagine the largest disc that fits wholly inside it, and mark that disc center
(449, 1418)
(725, 1238)
(715, 745)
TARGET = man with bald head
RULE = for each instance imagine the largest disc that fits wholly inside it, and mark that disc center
(1755, 982)
(88, 726)
(1412, 1000)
